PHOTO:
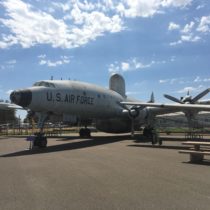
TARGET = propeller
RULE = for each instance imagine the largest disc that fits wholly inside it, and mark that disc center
(173, 99)
(134, 112)
(188, 98)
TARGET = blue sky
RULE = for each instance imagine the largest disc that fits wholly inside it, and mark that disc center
(157, 45)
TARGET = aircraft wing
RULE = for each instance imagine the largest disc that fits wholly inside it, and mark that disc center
(13, 106)
(7, 106)
(170, 107)
(204, 102)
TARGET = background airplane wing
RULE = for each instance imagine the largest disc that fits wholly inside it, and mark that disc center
(13, 106)
(166, 108)
(7, 106)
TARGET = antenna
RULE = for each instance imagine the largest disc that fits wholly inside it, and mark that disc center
(51, 77)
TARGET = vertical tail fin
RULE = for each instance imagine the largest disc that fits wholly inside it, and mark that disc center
(117, 84)
(152, 98)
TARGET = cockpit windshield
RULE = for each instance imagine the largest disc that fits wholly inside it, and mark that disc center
(45, 84)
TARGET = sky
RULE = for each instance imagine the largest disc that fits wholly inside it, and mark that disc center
(160, 46)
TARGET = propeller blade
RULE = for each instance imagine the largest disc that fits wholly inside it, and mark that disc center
(200, 95)
(173, 98)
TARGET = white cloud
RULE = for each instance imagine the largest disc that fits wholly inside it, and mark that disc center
(173, 58)
(173, 26)
(138, 8)
(175, 43)
(11, 62)
(125, 66)
(143, 8)
(188, 28)
(189, 32)
(8, 92)
(43, 61)
(131, 64)
(198, 79)
(191, 89)
(161, 81)
(204, 25)
(8, 65)
(190, 38)
(42, 56)
(42, 28)
(200, 6)
(114, 68)
(171, 81)
(64, 7)
(185, 80)
(176, 3)
(81, 21)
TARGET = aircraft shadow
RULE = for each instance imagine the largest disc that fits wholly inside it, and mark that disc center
(159, 146)
(96, 141)
(205, 162)
(3, 138)
(144, 139)
(68, 138)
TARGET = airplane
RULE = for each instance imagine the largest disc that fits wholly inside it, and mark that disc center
(8, 106)
(111, 109)
(188, 99)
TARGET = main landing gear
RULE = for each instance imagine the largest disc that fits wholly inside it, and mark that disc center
(152, 134)
(85, 133)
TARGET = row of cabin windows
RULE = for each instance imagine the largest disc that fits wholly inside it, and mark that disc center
(45, 84)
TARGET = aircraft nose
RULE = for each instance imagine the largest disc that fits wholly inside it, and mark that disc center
(21, 97)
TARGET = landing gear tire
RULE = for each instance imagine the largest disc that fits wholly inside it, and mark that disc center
(160, 141)
(40, 141)
(154, 139)
(152, 135)
(146, 132)
(85, 133)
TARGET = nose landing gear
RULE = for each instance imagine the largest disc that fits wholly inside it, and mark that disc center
(85, 133)
(40, 140)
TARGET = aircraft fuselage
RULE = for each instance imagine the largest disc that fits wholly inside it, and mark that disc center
(70, 97)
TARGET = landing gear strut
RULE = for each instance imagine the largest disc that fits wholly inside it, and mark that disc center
(40, 140)
(152, 134)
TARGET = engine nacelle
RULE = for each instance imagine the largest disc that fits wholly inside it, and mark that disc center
(114, 125)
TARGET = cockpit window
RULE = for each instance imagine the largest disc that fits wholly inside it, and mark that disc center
(45, 84)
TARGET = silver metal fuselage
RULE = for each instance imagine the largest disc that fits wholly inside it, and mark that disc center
(75, 98)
